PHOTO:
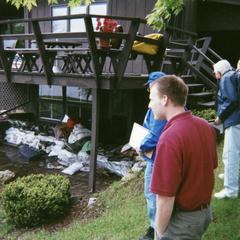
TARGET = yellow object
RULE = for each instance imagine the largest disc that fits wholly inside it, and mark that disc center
(147, 48)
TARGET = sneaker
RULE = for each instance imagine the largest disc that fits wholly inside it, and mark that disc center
(223, 194)
(221, 176)
(149, 234)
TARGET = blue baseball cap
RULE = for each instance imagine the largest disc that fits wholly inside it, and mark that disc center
(154, 76)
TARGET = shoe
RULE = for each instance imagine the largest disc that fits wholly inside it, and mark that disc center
(221, 176)
(223, 194)
(149, 234)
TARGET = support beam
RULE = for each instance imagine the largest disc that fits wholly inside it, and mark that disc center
(4, 61)
(94, 139)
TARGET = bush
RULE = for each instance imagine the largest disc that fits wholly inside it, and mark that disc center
(36, 199)
(208, 114)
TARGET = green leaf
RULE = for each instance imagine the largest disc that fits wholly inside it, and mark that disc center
(162, 12)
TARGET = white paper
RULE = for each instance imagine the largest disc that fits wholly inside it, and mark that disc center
(137, 135)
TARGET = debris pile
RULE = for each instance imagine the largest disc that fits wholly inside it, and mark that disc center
(67, 145)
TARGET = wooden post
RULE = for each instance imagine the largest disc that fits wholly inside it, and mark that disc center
(95, 103)
(94, 139)
(4, 61)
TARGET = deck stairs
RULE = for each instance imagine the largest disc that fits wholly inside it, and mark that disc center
(192, 60)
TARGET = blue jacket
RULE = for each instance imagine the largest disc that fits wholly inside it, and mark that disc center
(228, 100)
(150, 141)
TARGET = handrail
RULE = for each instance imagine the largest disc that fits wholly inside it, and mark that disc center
(74, 16)
(214, 53)
(203, 77)
(201, 53)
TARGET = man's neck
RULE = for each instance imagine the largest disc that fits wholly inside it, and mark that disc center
(174, 111)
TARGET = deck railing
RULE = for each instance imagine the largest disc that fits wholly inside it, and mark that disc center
(86, 58)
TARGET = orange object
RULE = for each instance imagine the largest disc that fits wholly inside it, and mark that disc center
(70, 123)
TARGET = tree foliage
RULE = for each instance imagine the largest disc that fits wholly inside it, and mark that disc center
(158, 18)
(162, 12)
(29, 4)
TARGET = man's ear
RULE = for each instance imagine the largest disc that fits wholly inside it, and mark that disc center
(165, 100)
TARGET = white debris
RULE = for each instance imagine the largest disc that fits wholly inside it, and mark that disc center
(120, 168)
(91, 201)
(6, 175)
(83, 157)
(65, 118)
(78, 133)
(138, 166)
(73, 168)
(14, 136)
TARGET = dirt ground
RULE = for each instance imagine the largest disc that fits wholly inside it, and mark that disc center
(11, 159)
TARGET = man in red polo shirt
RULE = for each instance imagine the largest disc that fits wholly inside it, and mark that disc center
(183, 173)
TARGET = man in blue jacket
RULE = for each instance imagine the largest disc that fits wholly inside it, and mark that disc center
(228, 113)
(147, 151)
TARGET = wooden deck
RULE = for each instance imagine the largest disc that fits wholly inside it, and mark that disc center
(106, 81)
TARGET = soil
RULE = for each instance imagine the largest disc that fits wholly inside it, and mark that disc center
(11, 159)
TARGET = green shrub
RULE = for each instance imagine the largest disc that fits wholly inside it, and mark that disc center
(36, 199)
(208, 114)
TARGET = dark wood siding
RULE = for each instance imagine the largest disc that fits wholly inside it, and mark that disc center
(133, 8)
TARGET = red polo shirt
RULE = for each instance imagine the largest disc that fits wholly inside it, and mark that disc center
(185, 161)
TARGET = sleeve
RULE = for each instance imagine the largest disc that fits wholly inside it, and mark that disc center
(229, 96)
(155, 128)
(167, 173)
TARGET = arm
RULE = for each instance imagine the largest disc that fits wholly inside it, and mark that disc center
(155, 128)
(229, 96)
(164, 212)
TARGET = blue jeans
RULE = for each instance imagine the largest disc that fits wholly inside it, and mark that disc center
(150, 197)
(231, 159)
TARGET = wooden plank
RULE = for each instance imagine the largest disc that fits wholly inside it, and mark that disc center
(204, 48)
(92, 46)
(129, 81)
(233, 2)
(44, 56)
(4, 61)
(94, 139)
(76, 16)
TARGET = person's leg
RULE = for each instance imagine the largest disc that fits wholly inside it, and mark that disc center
(231, 159)
(151, 203)
(188, 225)
(150, 197)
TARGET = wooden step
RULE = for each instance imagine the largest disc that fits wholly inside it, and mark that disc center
(195, 87)
(206, 104)
(188, 78)
(201, 95)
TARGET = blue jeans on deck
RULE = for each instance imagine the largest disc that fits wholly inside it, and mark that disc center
(231, 159)
(150, 197)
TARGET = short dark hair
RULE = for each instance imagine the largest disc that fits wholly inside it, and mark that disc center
(174, 87)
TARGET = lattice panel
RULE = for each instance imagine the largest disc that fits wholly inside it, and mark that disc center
(13, 94)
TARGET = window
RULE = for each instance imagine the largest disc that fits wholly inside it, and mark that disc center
(59, 25)
(51, 102)
(76, 25)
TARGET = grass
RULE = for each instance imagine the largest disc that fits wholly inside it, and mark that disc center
(125, 217)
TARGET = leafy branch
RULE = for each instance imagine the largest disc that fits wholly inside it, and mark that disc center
(29, 4)
(162, 12)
